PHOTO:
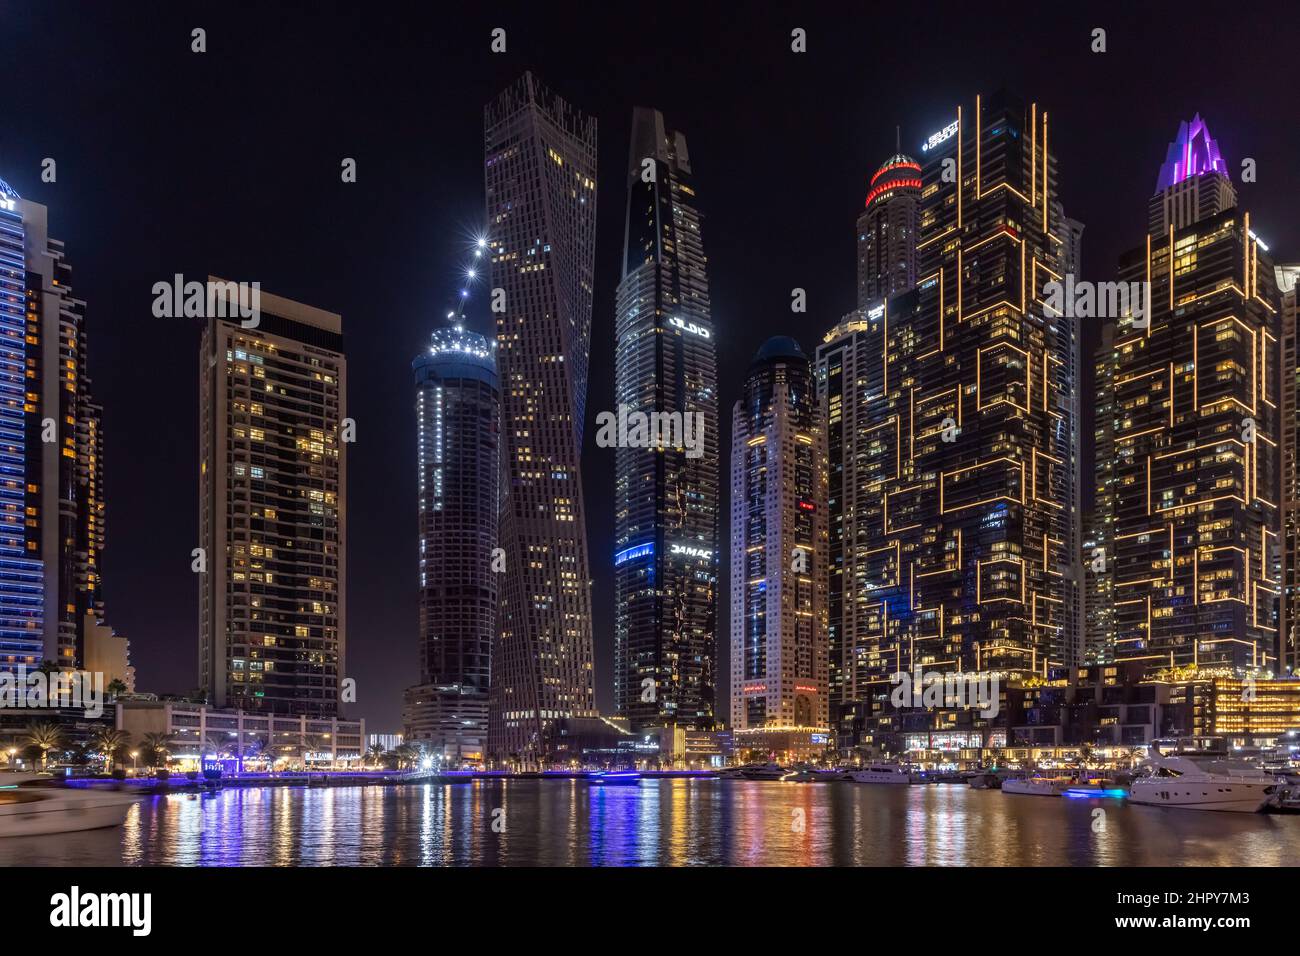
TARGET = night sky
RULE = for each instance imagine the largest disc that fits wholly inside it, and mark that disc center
(228, 162)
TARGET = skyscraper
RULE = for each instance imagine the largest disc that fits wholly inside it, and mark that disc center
(1100, 593)
(540, 173)
(961, 407)
(1195, 502)
(845, 360)
(457, 409)
(666, 499)
(1289, 605)
(887, 231)
(51, 505)
(779, 692)
(272, 500)
(1074, 610)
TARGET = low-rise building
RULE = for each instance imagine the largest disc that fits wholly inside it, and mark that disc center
(213, 736)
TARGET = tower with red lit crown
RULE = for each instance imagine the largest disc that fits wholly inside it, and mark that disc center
(887, 231)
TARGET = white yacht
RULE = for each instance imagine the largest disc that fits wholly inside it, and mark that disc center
(882, 773)
(38, 811)
(1038, 786)
(1177, 780)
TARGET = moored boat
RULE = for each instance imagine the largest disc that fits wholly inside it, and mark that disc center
(768, 771)
(1038, 786)
(1181, 782)
(887, 773)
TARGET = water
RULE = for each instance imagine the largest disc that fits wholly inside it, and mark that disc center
(675, 822)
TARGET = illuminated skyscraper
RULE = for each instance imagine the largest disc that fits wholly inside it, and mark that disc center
(666, 500)
(1099, 551)
(1195, 495)
(457, 409)
(272, 497)
(51, 505)
(961, 412)
(846, 360)
(779, 692)
(887, 231)
(540, 172)
(1289, 606)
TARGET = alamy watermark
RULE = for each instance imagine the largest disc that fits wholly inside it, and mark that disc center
(70, 690)
(214, 299)
(632, 429)
(933, 689)
(1100, 300)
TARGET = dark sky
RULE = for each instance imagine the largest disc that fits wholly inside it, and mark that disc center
(228, 163)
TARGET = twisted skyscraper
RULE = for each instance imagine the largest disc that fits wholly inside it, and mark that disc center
(540, 173)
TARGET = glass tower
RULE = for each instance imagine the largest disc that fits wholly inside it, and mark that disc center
(666, 499)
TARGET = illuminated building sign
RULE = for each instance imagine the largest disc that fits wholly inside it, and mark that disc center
(807, 506)
(689, 327)
(936, 138)
(639, 551)
(691, 552)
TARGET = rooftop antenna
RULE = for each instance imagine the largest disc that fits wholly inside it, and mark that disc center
(471, 272)
(898, 139)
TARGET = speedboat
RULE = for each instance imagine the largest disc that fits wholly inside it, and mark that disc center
(882, 773)
(614, 778)
(830, 774)
(1177, 780)
(40, 811)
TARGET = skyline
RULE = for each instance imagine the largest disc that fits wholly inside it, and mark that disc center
(147, 586)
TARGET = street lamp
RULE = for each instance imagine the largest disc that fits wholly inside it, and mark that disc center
(134, 763)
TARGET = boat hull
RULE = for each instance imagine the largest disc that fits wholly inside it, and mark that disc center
(63, 813)
(1231, 796)
(874, 776)
(1031, 788)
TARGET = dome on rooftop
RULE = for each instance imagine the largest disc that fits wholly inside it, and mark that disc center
(779, 347)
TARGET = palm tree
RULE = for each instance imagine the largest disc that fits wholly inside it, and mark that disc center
(115, 687)
(157, 745)
(47, 737)
(376, 753)
(109, 742)
(266, 750)
(214, 744)
(407, 754)
(311, 743)
(1085, 755)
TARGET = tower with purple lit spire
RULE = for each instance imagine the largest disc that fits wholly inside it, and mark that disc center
(1192, 437)
(1193, 183)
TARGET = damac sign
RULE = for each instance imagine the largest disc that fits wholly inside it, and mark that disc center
(691, 552)
(689, 327)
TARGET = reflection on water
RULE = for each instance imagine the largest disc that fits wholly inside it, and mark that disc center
(677, 822)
